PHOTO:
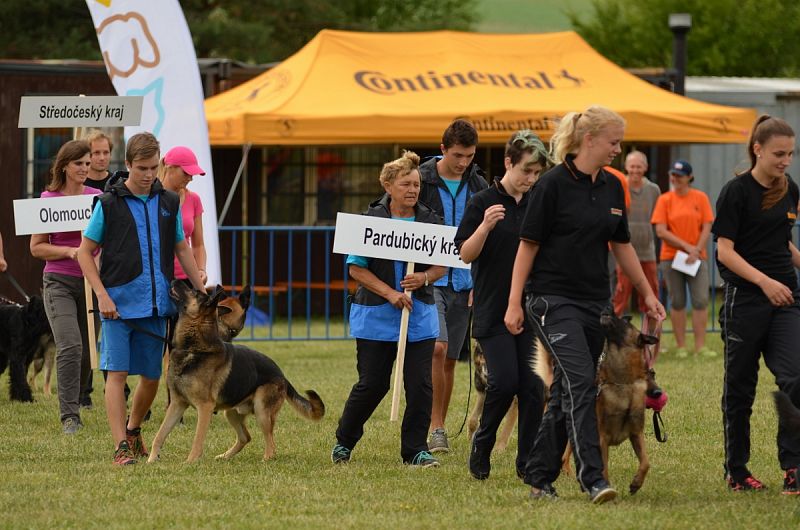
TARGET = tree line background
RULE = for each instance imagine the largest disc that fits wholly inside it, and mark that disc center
(728, 37)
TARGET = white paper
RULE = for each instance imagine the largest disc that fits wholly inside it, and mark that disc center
(679, 264)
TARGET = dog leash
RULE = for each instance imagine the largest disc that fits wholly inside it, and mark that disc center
(651, 354)
(13, 281)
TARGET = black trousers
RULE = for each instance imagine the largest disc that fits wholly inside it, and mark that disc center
(752, 327)
(374, 364)
(571, 330)
(508, 361)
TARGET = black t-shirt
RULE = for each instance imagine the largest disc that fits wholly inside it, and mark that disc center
(759, 236)
(491, 271)
(98, 184)
(573, 219)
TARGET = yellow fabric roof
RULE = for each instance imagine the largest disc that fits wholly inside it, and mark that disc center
(383, 88)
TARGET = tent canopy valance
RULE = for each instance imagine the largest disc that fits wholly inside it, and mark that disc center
(385, 88)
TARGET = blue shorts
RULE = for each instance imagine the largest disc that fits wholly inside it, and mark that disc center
(124, 349)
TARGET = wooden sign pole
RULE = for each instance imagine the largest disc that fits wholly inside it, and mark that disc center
(401, 355)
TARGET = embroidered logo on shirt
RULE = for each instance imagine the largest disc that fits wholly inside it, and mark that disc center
(616, 211)
(164, 212)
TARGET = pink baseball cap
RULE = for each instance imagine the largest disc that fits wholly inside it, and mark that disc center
(183, 157)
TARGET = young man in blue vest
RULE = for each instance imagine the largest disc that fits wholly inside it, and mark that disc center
(448, 182)
(137, 223)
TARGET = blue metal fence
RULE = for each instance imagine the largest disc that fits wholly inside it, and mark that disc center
(300, 288)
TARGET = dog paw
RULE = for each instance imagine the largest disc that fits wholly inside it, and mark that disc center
(634, 488)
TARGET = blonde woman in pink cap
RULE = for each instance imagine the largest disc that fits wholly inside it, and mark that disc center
(175, 171)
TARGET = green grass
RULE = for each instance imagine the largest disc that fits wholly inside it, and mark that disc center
(50, 480)
(527, 16)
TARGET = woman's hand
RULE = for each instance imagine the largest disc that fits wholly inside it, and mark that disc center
(400, 300)
(777, 293)
(654, 308)
(72, 253)
(694, 254)
(514, 319)
(414, 281)
(203, 276)
(492, 215)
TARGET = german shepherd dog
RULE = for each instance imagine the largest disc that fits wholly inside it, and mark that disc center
(210, 375)
(231, 321)
(23, 330)
(43, 359)
(622, 383)
(481, 383)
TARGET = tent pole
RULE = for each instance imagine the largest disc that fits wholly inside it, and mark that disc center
(224, 213)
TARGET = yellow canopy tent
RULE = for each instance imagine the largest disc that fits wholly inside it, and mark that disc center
(384, 88)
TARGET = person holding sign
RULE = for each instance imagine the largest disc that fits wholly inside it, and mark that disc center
(137, 223)
(574, 211)
(683, 219)
(175, 171)
(760, 315)
(375, 323)
(63, 290)
(488, 237)
(448, 182)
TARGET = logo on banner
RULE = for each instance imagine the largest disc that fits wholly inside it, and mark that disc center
(143, 50)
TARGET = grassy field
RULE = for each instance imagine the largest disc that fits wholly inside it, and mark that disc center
(51, 480)
(527, 16)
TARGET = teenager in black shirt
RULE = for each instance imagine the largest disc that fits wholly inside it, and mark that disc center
(488, 237)
(761, 311)
(574, 211)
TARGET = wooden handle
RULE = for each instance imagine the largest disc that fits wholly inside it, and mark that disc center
(401, 355)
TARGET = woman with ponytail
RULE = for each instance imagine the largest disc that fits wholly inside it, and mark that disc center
(574, 211)
(760, 315)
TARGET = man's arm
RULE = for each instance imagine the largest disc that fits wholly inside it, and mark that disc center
(3, 263)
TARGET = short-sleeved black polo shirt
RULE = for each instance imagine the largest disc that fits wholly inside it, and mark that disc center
(759, 236)
(573, 219)
(491, 271)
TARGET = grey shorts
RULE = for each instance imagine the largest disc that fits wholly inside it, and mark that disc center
(677, 282)
(453, 318)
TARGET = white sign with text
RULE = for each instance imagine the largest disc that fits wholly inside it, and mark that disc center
(378, 237)
(80, 111)
(52, 214)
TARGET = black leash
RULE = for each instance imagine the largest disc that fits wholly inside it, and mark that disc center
(469, 397)
(658, 424)
(166, 340)
(16, 285)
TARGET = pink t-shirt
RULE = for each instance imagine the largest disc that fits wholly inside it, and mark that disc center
(190, 209)
(68, 267)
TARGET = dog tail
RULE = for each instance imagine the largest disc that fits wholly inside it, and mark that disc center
(542, 364)
(788, 414)
(312, 408)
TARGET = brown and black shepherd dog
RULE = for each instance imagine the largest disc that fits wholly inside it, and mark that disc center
(481, 383)
(231, 320)
(622, 383)
(211, 375)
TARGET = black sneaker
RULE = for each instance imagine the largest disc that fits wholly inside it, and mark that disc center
(86, 403)
(423, 459)
(479, 464)
(748, 483)
(340, 454)
(790, 486)
(546, 492)
(602, 492)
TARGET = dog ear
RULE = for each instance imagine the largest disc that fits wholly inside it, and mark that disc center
(218, 295)
(244, 297)
(627, 318)
(646, 339)
(223, 310)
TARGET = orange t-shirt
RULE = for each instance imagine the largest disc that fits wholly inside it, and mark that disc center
(622, 180)
(684, 217)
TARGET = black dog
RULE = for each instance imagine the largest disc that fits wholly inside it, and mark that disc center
(22, 329)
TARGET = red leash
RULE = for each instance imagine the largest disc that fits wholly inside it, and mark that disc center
(651, 355)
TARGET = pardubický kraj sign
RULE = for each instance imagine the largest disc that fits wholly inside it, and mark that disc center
(376, 237)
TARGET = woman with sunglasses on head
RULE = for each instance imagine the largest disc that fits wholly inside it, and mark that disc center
(488, 237)
(760, 315)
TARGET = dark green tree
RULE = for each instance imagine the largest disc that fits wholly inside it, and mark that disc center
(246, 30)
(728, 37)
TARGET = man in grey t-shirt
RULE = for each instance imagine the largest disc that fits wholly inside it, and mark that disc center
(644, 195)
